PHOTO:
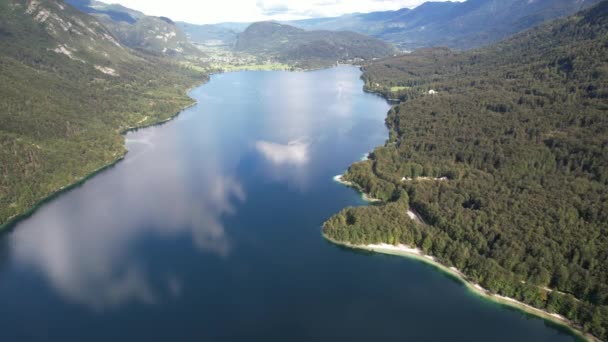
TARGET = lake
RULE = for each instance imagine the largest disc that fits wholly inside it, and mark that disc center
(210, 230)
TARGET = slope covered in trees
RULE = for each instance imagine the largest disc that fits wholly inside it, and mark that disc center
(158, 35)
(292, 45)
(521, 132)
(459, 25)
(68, 89)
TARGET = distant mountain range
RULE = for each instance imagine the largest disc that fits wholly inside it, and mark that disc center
(223, 34)
(458, 25)
(293, 45)
(158, 35)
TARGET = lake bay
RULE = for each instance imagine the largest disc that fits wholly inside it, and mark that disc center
(209, 230)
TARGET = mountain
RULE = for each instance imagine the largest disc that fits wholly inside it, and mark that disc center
(293, 45)
(365, 23)
(459, 25)
(159, 35)
(63, 31)
(503, 153)
(115, 11)
(153, 34)
(223, 34)
(68, 88)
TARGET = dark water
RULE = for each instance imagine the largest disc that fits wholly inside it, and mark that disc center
(210, 231)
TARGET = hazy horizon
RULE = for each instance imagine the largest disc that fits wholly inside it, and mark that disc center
(260, 10)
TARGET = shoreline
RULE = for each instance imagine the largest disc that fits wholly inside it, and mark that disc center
(364, 196)
(417, 254)
(290, 68)
(12, 221)
(391, 101)
(401, 250)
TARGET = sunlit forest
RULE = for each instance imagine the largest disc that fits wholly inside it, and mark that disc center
(61, 116)
(520, 131)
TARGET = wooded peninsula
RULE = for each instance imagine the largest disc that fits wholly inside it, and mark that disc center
(520, 131)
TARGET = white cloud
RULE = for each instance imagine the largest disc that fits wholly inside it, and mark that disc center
(204, 12)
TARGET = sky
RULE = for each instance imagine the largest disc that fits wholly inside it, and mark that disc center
(215, 11)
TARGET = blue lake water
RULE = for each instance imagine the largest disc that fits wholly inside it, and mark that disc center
(209, 230)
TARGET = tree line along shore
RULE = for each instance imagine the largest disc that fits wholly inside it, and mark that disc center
(518, 130)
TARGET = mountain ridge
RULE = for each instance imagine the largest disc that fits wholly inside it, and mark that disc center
(458, 25)
(158, 35)
(294, 45)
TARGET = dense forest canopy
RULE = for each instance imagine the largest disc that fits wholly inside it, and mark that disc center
(455, 24)
(307, 49)
(518, 129)
(68, 90)
(521, 132)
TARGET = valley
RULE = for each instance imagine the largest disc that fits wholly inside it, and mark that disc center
(494, 168)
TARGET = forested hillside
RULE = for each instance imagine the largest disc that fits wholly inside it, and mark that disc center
(458, 25)
(520, 130)
(68, 89)
(302, 48)
(158, 35)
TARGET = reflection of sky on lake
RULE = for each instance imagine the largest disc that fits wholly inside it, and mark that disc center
(304, 113)
(183, 179)
(81, 241)
(209, 231)
(292, 153)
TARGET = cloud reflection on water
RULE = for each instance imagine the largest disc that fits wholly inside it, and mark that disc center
(294, 153)
(82, 241)
(180, 180)
(294, 113)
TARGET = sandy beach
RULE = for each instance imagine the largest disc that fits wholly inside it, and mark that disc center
(418, 254)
